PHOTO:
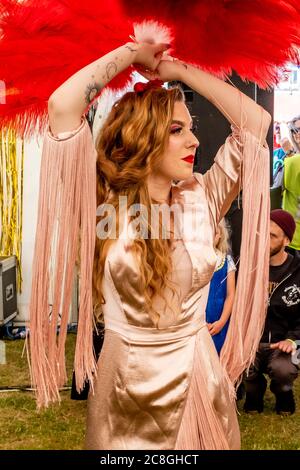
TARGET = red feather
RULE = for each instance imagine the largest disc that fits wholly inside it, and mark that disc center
(46, 41)
(252, 37)
(43, 42)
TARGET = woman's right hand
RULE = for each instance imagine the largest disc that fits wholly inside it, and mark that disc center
(148, 56)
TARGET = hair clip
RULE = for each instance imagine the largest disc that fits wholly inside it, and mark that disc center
(140, 87)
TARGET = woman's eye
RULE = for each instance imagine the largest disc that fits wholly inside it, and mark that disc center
(176, 130)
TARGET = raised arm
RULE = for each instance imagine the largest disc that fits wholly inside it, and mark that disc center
(237, 107)
(68, 103)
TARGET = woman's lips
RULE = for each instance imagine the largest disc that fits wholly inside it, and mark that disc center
(189, 159)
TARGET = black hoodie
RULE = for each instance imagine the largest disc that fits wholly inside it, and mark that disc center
(283, 315)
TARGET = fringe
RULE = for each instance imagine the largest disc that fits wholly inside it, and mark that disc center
(67, 204)
(250, 304)
(201, 427)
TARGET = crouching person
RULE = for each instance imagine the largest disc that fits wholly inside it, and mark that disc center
(282, 328)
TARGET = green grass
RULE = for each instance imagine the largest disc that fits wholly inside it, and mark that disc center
(62, 426)
(59, 427)
(268, 431)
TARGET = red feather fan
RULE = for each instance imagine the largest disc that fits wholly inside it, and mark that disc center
(252, 37)
(43, 42)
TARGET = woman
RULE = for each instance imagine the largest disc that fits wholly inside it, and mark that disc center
(159, 382)
(221, 289)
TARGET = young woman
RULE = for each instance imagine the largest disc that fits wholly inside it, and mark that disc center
(221, 289)
(159, 383)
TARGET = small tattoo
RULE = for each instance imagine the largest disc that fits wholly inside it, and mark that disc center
(111, 70)
(91, 91)
(131, 49)
(184, 65)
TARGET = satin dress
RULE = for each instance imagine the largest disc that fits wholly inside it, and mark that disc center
(163, 387)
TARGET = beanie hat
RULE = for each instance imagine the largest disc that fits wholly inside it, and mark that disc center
(285, 221)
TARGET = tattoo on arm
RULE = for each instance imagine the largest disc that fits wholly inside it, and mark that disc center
(91, 91)
(130, 48)
(111, 70)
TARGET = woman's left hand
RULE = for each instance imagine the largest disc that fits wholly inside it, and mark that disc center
(215, 327)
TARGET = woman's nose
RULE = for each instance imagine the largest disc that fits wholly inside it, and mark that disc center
(193, 141)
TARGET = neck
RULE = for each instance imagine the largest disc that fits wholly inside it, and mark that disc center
(279, 258)
(159, 188)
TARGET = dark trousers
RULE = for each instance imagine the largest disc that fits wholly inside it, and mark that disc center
(277, 365)
(98, 339)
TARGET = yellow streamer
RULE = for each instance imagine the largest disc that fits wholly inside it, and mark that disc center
(11, 198)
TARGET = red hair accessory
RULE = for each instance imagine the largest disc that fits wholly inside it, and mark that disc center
(140, 87)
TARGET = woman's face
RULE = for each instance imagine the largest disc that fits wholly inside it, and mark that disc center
(178, 158)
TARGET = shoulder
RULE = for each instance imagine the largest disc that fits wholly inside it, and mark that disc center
(292, 161)
(230, 264)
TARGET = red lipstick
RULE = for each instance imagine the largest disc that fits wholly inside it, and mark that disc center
(189, 159)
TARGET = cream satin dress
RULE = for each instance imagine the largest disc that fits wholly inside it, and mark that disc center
(164, 388)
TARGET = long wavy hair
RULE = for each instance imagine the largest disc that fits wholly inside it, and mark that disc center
(129, 147)
(223, 244)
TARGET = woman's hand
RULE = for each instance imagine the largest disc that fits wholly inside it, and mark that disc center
(69, 102)
(167, 70)
(147, 56)
(215, 327)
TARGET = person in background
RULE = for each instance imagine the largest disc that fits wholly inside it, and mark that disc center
(285, 191)
(282, 326)
(279, 155)
(291, 189)
(222, 289)
(276, 135)
(294, 128)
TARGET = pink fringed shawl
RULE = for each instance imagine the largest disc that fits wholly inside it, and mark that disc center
(67, 205)
(249, 309)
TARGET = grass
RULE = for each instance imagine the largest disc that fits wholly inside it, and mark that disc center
(61, 427)
(268, 431)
